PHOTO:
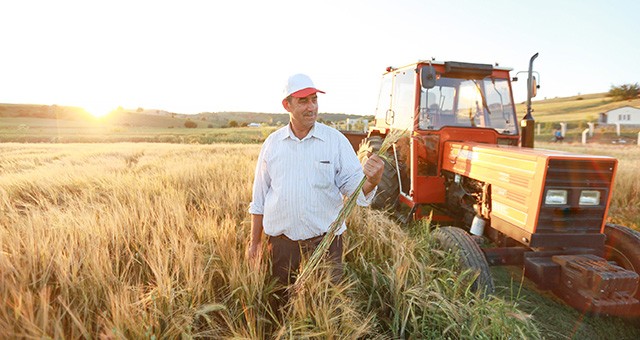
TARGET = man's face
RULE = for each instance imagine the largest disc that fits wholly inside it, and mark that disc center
(303, 111)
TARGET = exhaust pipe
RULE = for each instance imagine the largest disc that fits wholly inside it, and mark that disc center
(527, 123)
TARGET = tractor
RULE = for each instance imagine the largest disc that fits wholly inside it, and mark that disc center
(469, 165)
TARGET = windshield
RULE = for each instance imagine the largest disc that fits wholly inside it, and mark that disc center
(468, 102)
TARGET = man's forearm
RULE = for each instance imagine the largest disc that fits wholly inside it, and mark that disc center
(367, 187)
(256, 229)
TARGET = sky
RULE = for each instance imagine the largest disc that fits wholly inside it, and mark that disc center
(210, 56)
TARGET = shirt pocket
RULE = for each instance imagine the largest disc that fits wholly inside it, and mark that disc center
(324, 176)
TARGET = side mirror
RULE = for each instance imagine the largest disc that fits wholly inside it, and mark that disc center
(534, 87)
(428, 77)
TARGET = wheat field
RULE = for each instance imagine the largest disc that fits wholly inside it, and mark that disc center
(134, 240)
(129, 240)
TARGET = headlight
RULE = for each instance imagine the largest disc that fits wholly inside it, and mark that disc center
(556, 197)
(589, 197)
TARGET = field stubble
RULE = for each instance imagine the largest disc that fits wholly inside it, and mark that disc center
(148, 240)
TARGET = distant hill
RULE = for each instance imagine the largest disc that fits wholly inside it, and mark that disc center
(573, 109)
(44, 111)
(155, 118)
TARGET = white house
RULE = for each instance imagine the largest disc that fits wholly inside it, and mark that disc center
(626, 115)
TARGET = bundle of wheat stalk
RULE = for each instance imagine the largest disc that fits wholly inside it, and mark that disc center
(318, 254)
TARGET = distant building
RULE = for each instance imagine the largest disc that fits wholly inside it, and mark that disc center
(626, 115)
(253, 125)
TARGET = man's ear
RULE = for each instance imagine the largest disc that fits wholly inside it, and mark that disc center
(285, 104)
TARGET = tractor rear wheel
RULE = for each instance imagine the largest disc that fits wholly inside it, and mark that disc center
(622, 245)
(471, 257)
(388, 189)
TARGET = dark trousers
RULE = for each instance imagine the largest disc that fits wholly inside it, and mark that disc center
(286, 256)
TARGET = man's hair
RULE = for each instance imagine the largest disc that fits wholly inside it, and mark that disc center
(289, 99)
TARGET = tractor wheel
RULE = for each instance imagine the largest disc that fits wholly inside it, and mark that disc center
(452, 239)
(388, 189)
(622, 246)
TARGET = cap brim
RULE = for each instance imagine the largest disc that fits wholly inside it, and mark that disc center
(305, 92)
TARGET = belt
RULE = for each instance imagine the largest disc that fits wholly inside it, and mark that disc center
(309, 240)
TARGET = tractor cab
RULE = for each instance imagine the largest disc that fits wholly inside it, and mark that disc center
(433, 95)
(439, 102)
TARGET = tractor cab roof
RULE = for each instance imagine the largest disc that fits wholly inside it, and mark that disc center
(452, 66)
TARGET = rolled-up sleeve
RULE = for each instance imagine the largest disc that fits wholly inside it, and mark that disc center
(261, 184)
(365, 201)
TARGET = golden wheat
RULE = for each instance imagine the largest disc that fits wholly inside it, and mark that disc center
(148, 240)
(117, 239)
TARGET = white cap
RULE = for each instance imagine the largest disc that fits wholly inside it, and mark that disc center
(299, 86)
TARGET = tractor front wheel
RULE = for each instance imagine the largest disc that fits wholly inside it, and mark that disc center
(622, 245)
(471, 257)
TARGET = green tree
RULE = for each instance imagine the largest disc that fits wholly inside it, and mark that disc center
(624, 92)
(233, 123)
(189, 124)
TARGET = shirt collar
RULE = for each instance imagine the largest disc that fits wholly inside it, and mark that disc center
(317, 131)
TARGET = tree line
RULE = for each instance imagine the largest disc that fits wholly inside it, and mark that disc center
(624, 92)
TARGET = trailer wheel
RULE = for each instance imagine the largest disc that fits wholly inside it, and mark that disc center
(470, 256)
(622, 245)
(388, 189)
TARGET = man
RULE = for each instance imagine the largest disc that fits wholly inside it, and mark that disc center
(557, 135)
(303, 171)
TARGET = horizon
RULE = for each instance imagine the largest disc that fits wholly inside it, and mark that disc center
(533, 100)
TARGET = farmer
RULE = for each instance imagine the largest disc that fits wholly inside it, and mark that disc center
(304, 169)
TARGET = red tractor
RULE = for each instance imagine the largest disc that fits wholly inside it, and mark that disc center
(470, 165)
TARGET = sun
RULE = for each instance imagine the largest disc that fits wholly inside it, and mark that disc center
(98, 110)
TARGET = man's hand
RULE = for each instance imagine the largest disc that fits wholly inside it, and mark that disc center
(373, 168)
(254, 252)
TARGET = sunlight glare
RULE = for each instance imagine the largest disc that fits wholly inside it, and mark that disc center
(98, 110)
(469, 96)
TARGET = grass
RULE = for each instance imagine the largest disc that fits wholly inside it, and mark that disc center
(103, 238)
(553, 318)
(40, 130)
(148, 240)
(143, 240)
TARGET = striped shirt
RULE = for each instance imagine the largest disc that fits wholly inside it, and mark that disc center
(299, 185)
